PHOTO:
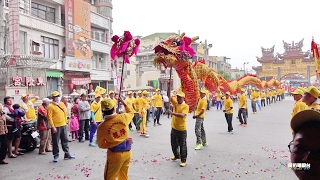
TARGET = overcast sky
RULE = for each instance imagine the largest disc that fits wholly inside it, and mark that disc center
(236, 28)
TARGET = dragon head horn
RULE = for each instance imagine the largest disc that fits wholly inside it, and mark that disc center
(181, 36)
(195, 38)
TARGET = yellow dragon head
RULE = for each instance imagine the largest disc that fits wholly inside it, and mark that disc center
(175, 51)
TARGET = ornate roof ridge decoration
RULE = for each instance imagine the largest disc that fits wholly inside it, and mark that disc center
(257, 67)
(34, 61)
(294, 50)
(267, 55)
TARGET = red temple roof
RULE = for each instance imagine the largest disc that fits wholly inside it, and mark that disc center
(294, 50)
(267, 55)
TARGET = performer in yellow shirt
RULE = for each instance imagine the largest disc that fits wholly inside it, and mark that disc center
(273, 95)
(130, 103)
(199, 116)
(113, 135)
(142, 106)
(148, 99)
(179, 128)
(218, 100)
(228, 111)
(159, 107)
(311, 97)
(28, 107)
(112, 96)
(96, 118)
(279, 92)
(299, 105)
(263, 98)
(254, 101)
(242, 113)
(268, 96)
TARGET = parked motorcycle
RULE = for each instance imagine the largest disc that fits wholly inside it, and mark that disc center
(29, 136)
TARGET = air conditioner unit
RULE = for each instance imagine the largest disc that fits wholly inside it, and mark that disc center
(36, 49)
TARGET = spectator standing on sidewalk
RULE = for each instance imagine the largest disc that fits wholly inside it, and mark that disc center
(84, 112)
(57, 117)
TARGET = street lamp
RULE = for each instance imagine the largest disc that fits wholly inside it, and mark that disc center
(206, 47)
(244, 67)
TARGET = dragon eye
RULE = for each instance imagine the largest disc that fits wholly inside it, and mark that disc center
(176, 43)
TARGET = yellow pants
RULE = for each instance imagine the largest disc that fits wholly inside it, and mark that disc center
(143, 128)
(117, 165)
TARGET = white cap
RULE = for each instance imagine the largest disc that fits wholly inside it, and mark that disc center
(46, 100)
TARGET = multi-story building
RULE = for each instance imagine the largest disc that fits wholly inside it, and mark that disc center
(212, 62)
(223, 64)
(62, 44)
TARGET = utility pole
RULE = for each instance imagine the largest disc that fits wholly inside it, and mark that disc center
(2, 29)
(206, 52)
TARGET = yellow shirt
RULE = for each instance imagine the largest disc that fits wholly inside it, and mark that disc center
(243, 101)
(263, 95)
(218, 96)
(254, 96)
(202, 105)
(227, 104)
(298, 106)
(158, 99)
(279, 91)
(269, 94)
(141, 104)
(114, 130)
(57, 117)
(315, 106)
(130, 102)
(96, 109)
(274, 93)
(148, 102)
(179, 124)
(31, 114)
(153, 102)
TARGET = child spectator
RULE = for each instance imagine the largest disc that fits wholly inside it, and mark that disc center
(74, 126)
(18, 117)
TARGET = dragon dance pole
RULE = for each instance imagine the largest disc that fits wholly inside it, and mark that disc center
(169, 89)
(121, 81)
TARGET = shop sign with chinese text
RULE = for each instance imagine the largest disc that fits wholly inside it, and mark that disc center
(80, 81)
(28, 81)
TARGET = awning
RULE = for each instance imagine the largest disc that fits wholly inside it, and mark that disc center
(139, 88)
(55, 74)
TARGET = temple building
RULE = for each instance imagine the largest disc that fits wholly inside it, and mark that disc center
(292, 65)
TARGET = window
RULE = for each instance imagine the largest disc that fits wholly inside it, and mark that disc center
(63, 20)
(98, 35)
(105, 11)
(43, 12)
(293, 61)
(128, 73)
(23, 42)
(6, 3)
(24, 6)
(50, 48)
(94, 60)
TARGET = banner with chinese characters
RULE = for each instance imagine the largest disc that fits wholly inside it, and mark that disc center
(80, 81)
(78, 29)
(27, 81)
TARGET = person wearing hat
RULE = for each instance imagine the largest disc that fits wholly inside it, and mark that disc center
(142, 109)
(311, 96)
(28, 106)
(218, 99)
(130, 103)
(57, 118)
(269, 94)
(263, 98)
(258, 98)
(149, 101)
(228, 111)
(159, 107)
(299, 105)
(85, 116)
(112, 134)
(179, 128)
(242, 108)
(254, 97)
(273, 95)
(305, 146)
(96, 118)
(112, 96)
(199, 116)
(44, 127)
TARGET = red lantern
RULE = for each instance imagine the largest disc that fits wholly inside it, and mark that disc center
(71, 86)
(91, 87)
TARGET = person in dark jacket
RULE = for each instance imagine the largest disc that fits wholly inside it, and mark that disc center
(44, 128)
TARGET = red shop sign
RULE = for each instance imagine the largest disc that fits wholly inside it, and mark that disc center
(80, 81)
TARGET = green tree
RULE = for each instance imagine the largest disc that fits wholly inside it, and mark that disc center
(225, 75)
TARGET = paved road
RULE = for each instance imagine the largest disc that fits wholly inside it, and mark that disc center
(252, 152)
